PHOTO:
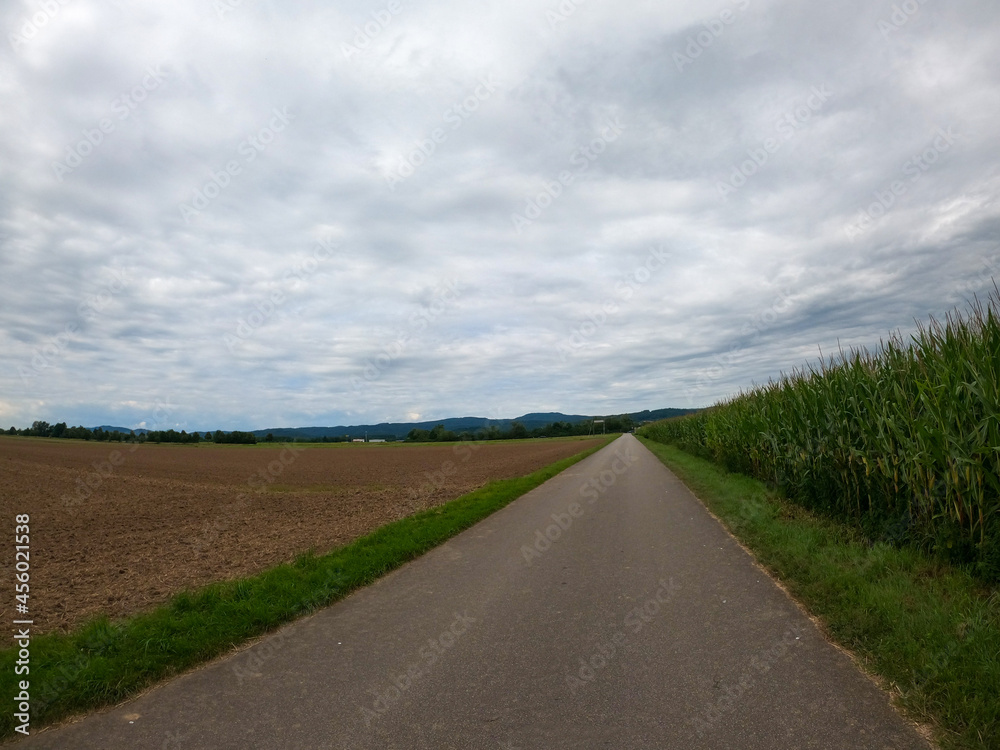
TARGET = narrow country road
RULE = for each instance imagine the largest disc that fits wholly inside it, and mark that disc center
(604, 609)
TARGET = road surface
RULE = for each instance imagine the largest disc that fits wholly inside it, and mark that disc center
(604, 609)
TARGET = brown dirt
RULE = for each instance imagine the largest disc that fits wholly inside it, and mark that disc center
(170, 517)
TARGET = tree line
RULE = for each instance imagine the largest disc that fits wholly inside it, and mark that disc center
(61, 430)
(517, 431)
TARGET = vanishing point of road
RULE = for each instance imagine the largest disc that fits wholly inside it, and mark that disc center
(604, 609)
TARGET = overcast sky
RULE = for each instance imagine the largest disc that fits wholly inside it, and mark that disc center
(257, 214)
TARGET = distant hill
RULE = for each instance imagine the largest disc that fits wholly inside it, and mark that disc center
(126, 430)
(657, 414)
(544, 418)
(399, 430)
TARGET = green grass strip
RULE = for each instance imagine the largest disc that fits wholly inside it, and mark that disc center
(930, 631)
(106, 662)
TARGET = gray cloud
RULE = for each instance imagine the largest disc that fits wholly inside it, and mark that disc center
(785, 159)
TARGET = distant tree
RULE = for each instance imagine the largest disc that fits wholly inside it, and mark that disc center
(270, 438)
(489, 433)
(208, 435)
(417, 435)
(169, 436)
(439, 433)
(39, 429)
(235, 436)
(517, 431)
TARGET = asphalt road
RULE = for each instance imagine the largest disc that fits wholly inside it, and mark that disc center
(604, 609)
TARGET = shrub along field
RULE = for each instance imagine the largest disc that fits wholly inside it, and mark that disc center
(904, 441)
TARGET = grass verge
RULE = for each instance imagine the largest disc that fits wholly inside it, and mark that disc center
(106, 662)
(929, 631)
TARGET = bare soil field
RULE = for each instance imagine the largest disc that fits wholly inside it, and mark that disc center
(118, 528)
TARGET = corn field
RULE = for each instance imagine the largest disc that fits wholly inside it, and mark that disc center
(904, 441)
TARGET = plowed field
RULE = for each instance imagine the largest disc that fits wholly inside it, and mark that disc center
(116, 528)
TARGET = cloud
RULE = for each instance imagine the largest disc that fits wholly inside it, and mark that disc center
(254, 212)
